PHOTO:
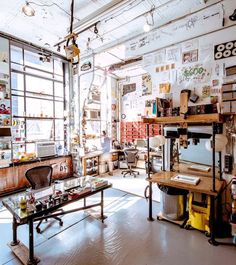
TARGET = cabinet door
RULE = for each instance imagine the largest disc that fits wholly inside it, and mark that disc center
(8, 179)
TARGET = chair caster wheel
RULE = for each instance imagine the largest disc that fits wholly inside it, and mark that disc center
(187, 227)
(61, 223)
(38, 230)
(207, 234)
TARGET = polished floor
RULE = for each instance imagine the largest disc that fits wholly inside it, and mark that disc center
(130, 184)
(126, 237)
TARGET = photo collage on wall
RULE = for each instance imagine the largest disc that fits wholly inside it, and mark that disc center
(5, 103)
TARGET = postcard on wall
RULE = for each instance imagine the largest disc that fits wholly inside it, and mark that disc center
(159, 57)
(5, 120)
(5, 107)
(173, 54)
(146, 84)
(205, 52)
(190, 57)
(148, 60)
(164, 88)
(196, 73)
(190, 45)
(129, 88)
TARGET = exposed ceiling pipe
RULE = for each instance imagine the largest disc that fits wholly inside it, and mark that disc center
(99, 13)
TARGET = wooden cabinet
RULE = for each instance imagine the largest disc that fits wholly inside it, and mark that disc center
(13, 178)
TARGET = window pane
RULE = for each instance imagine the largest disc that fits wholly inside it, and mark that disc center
(58, 90)
(37, 61)
(37, 95)
(30, 148)
(59, 110)
(39, 108)
(17, 150)
(16, 55)
(39, 85)
(58, 78)
(59, 129)
(39, 130)
(18, 67)
(38, 72)
(17, 82)
(17, 106)
(93, 128)
(58, 67)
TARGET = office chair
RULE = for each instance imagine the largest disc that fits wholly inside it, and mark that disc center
(40, 177)
(131, 160)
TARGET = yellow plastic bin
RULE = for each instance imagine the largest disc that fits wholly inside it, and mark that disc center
(199, 214)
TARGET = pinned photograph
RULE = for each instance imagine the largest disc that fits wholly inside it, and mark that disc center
(190, 57)
(146, 85)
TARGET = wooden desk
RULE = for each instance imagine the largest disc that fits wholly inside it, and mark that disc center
(204, 186)
(92, 155)
(13, 178)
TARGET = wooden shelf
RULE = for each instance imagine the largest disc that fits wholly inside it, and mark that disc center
(229, 91)
(199, 118)
(229, 83)
(225, 100)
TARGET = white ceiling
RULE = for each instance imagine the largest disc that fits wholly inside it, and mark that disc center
(50, 23)
(121, 21)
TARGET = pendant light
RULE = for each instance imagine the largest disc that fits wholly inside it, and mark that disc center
(28, 10)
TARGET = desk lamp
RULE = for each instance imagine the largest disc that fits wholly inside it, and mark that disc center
(220, 143)
(156, 141)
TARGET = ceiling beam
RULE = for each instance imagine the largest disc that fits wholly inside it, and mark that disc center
(98, 14)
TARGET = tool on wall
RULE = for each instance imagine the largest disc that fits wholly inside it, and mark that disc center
(184, 97)
(183, 135)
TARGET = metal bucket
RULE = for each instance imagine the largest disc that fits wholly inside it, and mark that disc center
(173, 206)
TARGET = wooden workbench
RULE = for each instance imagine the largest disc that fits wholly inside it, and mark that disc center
(204, 186)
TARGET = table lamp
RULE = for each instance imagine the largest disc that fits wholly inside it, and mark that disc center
(156, 141)
(220, 143)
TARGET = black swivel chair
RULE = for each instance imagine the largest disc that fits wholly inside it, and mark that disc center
(131, 157)
(40, 177)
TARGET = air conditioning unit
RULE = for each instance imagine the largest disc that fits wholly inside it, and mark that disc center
(93, 114)
(45, 149)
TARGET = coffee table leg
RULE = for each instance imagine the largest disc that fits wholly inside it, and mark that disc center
(14, 229)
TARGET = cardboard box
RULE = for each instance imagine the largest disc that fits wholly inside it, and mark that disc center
(226, 107)
(227, 96)
(227, 87)
(233, 106)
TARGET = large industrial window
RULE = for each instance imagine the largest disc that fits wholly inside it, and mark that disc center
(37, 93)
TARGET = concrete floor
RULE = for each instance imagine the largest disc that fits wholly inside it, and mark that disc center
(126, 237)
(132, 185)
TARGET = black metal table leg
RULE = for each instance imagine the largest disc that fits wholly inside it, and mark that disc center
(212, 222)
(102, 205)
(32, 260)
(150, 218)
(15, 241)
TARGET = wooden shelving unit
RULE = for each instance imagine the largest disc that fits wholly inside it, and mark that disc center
(200, 118)
(210, 186)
